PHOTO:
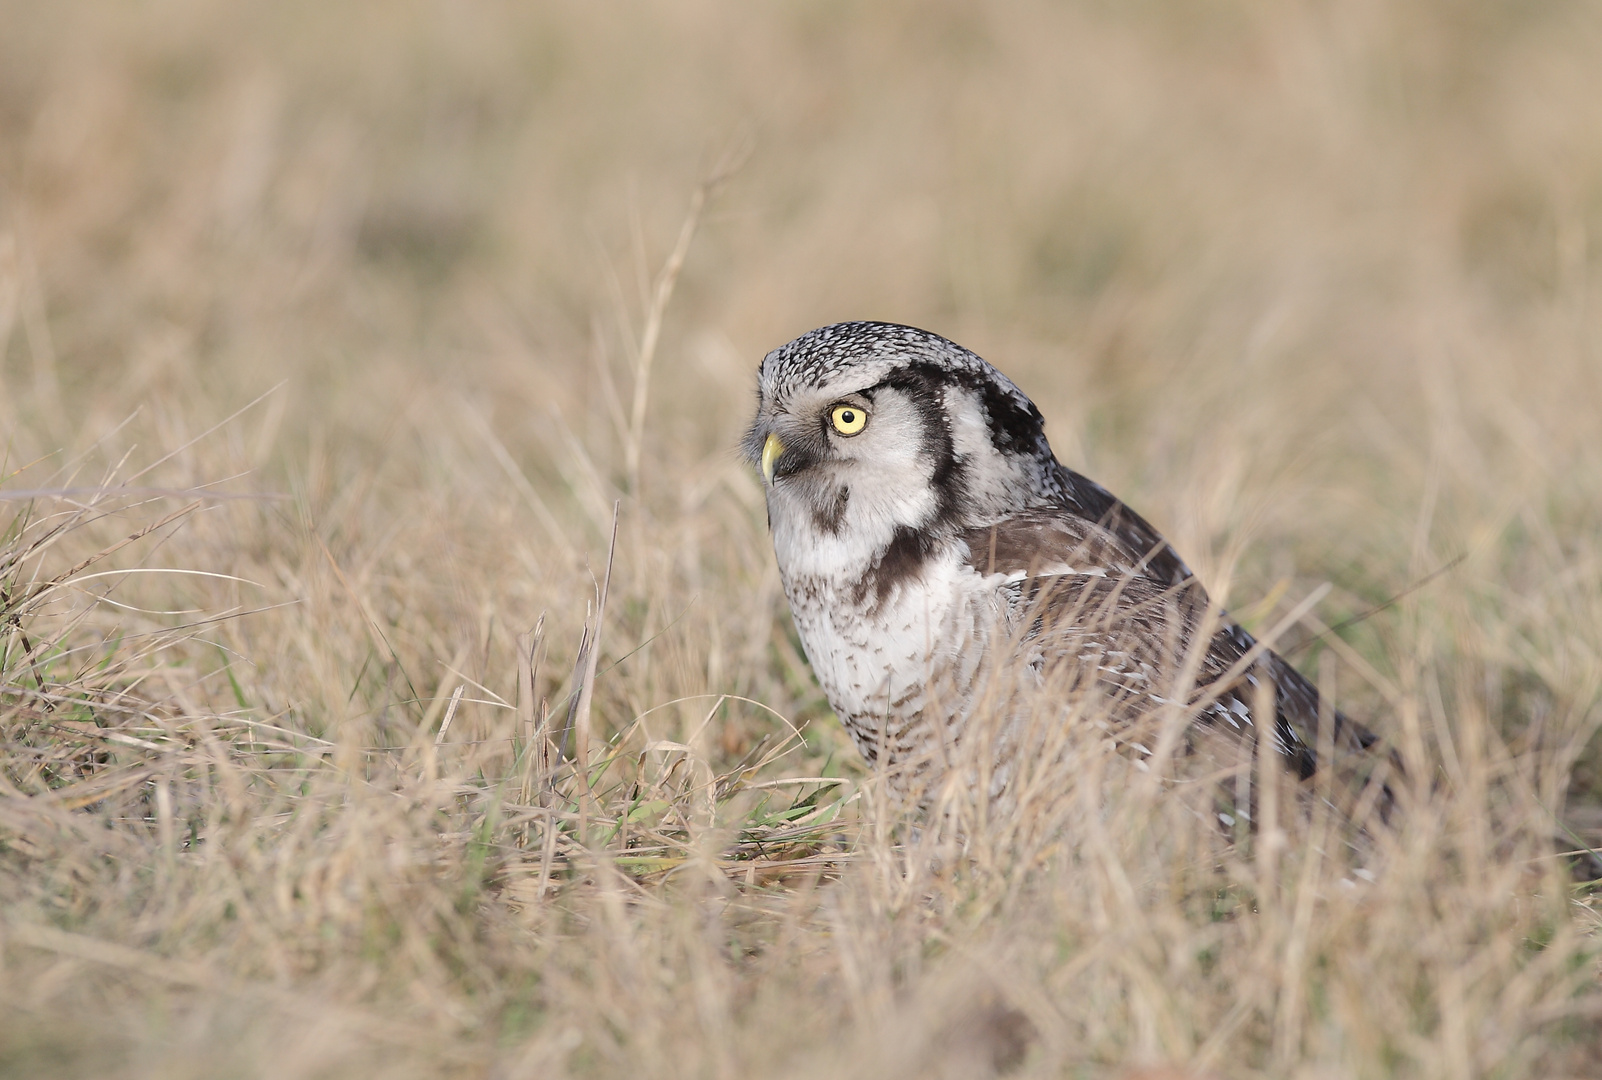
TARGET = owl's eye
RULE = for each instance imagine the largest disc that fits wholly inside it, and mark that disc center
(848, 419)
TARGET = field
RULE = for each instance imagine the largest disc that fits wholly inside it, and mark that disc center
(333, 337)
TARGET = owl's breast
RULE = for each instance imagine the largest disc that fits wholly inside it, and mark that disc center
(877, 657)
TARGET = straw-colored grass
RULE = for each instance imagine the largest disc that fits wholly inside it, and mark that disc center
(322, 337)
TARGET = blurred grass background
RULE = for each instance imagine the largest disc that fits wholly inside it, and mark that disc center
(1313, 286)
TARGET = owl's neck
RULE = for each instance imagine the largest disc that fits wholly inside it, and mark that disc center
(840, 556)
(867, 535)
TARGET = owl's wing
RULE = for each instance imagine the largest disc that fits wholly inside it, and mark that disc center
(1091, 602)
(1094, 503)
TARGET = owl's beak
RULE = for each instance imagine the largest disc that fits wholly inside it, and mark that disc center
(771, 449)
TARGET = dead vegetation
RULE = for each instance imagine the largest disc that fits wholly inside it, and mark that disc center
(394, 679)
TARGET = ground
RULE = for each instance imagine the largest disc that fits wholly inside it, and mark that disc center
(334, 339)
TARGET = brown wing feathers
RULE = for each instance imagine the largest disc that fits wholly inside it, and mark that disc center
(1092, 594)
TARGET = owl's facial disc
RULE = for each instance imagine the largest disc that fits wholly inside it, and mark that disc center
(846, 460)
(846, 419)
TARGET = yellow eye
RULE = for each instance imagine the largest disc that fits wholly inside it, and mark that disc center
(848, 419)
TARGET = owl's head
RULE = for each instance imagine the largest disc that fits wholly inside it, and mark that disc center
(864, 428)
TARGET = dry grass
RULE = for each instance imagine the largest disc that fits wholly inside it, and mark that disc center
(339, 312)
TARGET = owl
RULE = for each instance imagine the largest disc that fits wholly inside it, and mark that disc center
(942, 567)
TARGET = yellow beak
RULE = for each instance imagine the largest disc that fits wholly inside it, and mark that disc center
(770, 453)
